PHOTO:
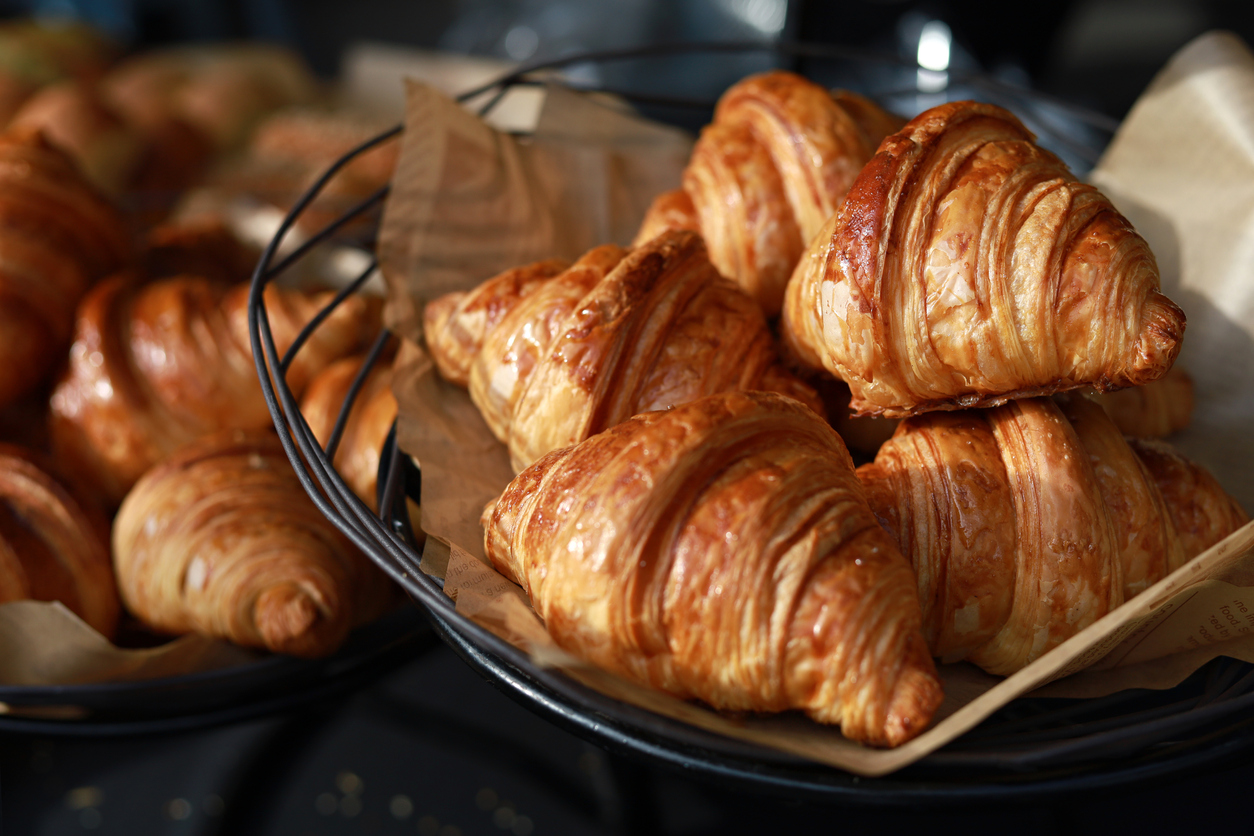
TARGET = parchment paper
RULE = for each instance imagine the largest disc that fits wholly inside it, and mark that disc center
(46, 644)
(468, 201)
(1154, 641)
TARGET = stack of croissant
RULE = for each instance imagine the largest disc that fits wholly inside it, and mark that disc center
(127, 345)
(720, 544)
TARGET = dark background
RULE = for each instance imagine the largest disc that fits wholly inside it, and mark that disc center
(430, 748)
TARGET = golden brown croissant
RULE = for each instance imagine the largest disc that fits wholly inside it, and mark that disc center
(52, 546)
(723, 550)
(369, 421)
(202, 246)
(1157, 409)
(767, 173)
(967, 267)
(221, 539)
(154, 366)
(36, 53)
(551, 362)
(221, 90)
(1029, 521)
(57, 236)
(74, 117)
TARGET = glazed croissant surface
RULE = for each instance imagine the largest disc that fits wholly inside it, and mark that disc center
(968, 267)
(1029, 521)
(154, 366)
(723, 550)
(553, 356)
(221, 539)
(57, 237)
(53, 547)
(767, 173)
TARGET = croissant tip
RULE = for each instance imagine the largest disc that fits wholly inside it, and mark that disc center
(291, 621)
(917, 697)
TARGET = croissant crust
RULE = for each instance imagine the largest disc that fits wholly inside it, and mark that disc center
(968, 267)
(1029, 521)
(52, 546)
(221, 539)
(551, 361)
(155, 366)
(722, 550)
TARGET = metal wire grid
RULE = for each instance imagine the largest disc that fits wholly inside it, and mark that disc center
(1029, 747)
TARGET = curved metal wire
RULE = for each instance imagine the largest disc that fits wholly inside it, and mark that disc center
(1053, 741)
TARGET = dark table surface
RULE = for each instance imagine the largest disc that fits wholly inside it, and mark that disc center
(431, 748)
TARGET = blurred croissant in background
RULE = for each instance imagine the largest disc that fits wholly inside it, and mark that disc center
(367, 425)
(58, 236)
(53, 545)
(553, 355)
(156, 365)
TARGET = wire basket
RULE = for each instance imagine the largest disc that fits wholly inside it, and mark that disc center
(1030, 748)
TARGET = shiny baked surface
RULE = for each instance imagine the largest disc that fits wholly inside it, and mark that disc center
(968, 267)
(1027, 522)
(552, 360)
(723, 550)
(220, 538)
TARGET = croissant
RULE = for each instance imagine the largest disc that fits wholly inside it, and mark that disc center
(52, 546)
(367, 427)
(767, 173)
(1157, 409)
(107, 148)
(551, 361)
(156, 365)
(57, 236)
(221, 539)
(1029, 521)
(968, 267)
(202, 246)
(722, 550)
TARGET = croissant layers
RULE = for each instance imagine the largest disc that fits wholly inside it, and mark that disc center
(554, 355)
(1029, 521)
(767, 173)
(52, 546)
(221, 539)
(57, 237)
(366, 427)
(968, 267)
(723, 550)
(157, 365)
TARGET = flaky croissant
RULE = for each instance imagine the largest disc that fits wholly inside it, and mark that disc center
(57, 237)
(107, 149)
(552, 359)
(221, 539)
(766, 175)
(1157, 409)
(722, 550)
(1029, 521)
(52, 546)
(968, 267)
(154, 366)
(369, 421)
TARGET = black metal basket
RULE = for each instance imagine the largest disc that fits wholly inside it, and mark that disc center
(1030, 748)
